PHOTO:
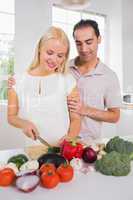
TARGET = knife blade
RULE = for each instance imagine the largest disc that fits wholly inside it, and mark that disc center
(43, 141)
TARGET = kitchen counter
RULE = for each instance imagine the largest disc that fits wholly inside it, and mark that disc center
(91, 186)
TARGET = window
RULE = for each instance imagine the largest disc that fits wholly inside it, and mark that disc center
(66, 19)
(6, 44)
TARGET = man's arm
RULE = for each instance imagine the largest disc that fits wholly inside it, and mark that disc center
(111, 115)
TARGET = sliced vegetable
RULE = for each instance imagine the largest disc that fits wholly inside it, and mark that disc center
(19, 160)
(27, 183)
(51, 158)
(7, 177)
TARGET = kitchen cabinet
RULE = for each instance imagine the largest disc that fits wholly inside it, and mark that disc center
(123, 127)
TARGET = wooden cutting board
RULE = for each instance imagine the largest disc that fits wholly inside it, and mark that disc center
(35, 151)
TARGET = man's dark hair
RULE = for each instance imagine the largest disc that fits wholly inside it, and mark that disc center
(87, 23)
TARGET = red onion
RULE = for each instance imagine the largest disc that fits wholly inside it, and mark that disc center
(89, 155)
(26, 172)
(27, 183)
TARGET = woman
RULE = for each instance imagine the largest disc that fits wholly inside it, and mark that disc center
(38, 102)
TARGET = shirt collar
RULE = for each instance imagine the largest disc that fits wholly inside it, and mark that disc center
(99, 70)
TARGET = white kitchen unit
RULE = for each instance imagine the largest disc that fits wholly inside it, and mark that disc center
(123, 127)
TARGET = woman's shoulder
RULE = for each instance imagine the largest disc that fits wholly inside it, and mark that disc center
(69, 82)
(68, 77)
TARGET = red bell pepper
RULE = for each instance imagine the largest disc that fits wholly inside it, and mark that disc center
(71, 149)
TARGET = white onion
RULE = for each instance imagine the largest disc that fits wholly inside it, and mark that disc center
(30, 165)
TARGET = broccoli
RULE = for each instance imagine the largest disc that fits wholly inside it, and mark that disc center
(120, 145)
(114, 164)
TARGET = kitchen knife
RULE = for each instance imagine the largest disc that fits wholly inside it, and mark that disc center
(43, 141)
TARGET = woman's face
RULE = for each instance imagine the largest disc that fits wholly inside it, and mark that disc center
(53, 54)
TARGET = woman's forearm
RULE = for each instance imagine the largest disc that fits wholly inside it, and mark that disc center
(74, 128)
(16, 121)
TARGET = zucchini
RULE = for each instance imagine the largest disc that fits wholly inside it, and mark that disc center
(52, 158)
(54, 149)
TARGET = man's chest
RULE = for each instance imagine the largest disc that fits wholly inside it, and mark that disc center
(92, 89)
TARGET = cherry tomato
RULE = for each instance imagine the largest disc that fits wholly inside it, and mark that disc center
(7, 177)
(65, 172)
(50, 180)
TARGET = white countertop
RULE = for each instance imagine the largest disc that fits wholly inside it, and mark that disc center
(93, 186)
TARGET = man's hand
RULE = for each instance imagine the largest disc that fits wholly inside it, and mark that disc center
(11, 82)
(75, 105)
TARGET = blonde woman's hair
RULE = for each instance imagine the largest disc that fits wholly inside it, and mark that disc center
(52, 33)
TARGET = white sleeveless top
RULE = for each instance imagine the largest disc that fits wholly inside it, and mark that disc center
(43, 101)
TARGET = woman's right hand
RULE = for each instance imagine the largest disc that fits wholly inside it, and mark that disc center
(11, 82)
(30, 130)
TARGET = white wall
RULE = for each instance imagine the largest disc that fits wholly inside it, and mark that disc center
(127, 19)
(32, 19)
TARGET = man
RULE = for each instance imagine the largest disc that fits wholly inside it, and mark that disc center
(98, 85)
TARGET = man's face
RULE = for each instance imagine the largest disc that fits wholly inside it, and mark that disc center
(86, 43)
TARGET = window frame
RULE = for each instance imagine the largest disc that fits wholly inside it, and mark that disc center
(7, 52)
(93, 14)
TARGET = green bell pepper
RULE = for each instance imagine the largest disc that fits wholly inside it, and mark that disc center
(19, 160)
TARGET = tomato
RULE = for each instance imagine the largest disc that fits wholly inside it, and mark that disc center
(47, 167)
(7, 177)
(65, 172)
(50, 180)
